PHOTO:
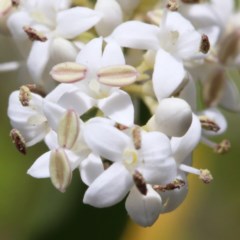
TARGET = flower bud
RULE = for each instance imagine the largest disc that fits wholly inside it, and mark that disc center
(173, 117)
(60, 170)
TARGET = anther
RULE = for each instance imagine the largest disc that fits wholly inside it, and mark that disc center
(176, 184)
(223, 147)
(140, 182)
(25, 95)
(34, 35)
(208, 124)
(18, 140)
(205, 176)
(205, 44)
(172, 5)
(137, 139)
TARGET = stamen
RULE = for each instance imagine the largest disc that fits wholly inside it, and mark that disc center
(25, 95)
(205, 44)
(34, 35)
(223, 147)
(208, 124)
(121, 127)
(18, 140)
(137, 139)
(204, 174)
(172, 5)
(176, 184)
(140, 182)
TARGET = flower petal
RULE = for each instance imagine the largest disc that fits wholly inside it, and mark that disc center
(144, 210)
(110, 187)
(74, 21)
(183, 146)
(119, 107)
(91, 168)
(105, 140)
(40, 168)
(134, 34)
(168, 74)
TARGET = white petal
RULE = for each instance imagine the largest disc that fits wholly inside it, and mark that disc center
(216, 116)
(134, 34)
(183, 146)
(112, 55)
(231, 97)
(91, 55)
(51, 140)
(111, 16)
(173, 198)
(74, 21)
(37, 60)
(91, 168)
(144, 210)
(105, 140)
(40, 168)
(168, 74)
(119, 107)
(53, 113)
(110, 187)
(16, 22)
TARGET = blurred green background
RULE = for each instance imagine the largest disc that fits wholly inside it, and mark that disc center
(31, 209)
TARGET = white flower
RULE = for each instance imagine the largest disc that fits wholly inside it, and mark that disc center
(89, 92)
(152, 160)
(55, 22)
(174, 41)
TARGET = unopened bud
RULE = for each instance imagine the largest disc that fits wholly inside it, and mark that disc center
(205, 176)
(222, 147)
(34, 35)
(140, 182)
(208, 124)
(205, 44)
(60, 170)
(18, 140)
(25, 95)
(68, 72)
(137, 138)
(117, 76)
(68, 129)
(173, 117)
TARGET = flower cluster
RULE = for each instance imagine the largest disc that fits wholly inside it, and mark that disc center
(94, 64)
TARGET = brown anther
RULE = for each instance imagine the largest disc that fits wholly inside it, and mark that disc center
(140, 182)
(208, 124)
(25, 95)
(34, 35)
(205, 44)
(18, 140)
(121, 127)
(137, 138)
(15, 2)
(176, 184)
(205, 176)
(36, 89)
(172, 5)
(222, 147)
(191, 1)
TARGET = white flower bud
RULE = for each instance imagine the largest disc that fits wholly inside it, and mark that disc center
(173, 117)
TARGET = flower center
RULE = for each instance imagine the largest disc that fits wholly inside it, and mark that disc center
(130, 157)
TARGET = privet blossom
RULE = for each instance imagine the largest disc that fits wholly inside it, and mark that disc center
(93, 67)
